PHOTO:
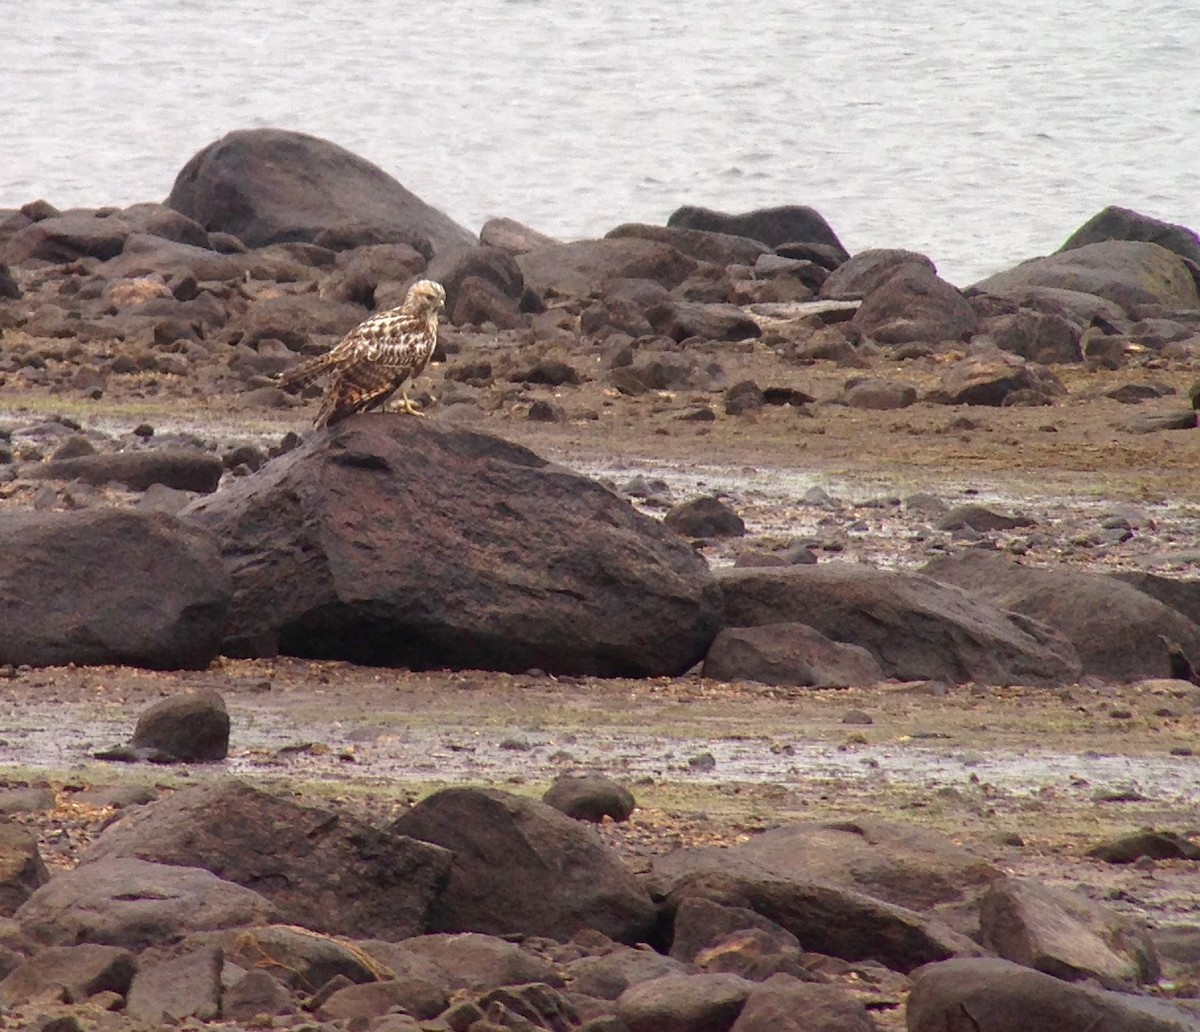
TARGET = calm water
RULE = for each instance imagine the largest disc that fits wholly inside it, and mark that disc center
(978, 132)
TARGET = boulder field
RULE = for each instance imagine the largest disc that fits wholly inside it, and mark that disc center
(443, 544)
(479, 909)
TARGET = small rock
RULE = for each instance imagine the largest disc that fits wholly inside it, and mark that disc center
(1158, 845)
(590, 797)
(705, 517)
(743, 397)
(1152, 422)
(545, 412)
(193, 727)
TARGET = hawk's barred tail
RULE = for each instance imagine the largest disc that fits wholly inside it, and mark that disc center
(306, 372)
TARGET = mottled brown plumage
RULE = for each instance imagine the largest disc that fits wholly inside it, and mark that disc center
(374, 359)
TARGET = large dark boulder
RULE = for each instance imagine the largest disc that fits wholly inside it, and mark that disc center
(521, 867)
(1113, 626)
(915, 626)
(269, 185)
(1114, 223)
(326, 871)
(107, 585)
(1127, 272)
(788, 224)
(393, 540)
(990, 995)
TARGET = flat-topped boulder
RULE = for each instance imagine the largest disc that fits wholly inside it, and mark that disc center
(396, 541)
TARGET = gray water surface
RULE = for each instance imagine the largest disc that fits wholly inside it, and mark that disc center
(979, 133)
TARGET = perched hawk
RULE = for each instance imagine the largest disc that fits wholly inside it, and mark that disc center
(374, 359)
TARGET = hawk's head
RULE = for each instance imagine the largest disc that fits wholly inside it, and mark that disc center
(425, 296)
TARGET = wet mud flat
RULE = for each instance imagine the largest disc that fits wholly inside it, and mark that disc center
(1028, 778)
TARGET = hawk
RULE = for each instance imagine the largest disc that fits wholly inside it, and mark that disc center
(374, 359)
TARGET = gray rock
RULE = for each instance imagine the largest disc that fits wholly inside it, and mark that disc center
(22, 870)
(607, 976)
(77, 971)
(468, 960)
(990, 995)
(1065, 935)
(683, 1003)
(520, 866)
(512, 236)
(415, 996)
(1113, 627)
(789, 654)
(914, 304)
(301, 960)
(579, 269)
(991, 376)
(134, 904)
(1114, 223)
(705, 517)
(187, 986)
(786, 224)
(916, 628)
(137, 470)
(900, 863)
(1125, 272)
(324, 870)
(255, 993)
(785, 1004)
(868, 270)
(155, 592)
(878, 394)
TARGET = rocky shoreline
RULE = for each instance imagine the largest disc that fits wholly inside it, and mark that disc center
(741, 337)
